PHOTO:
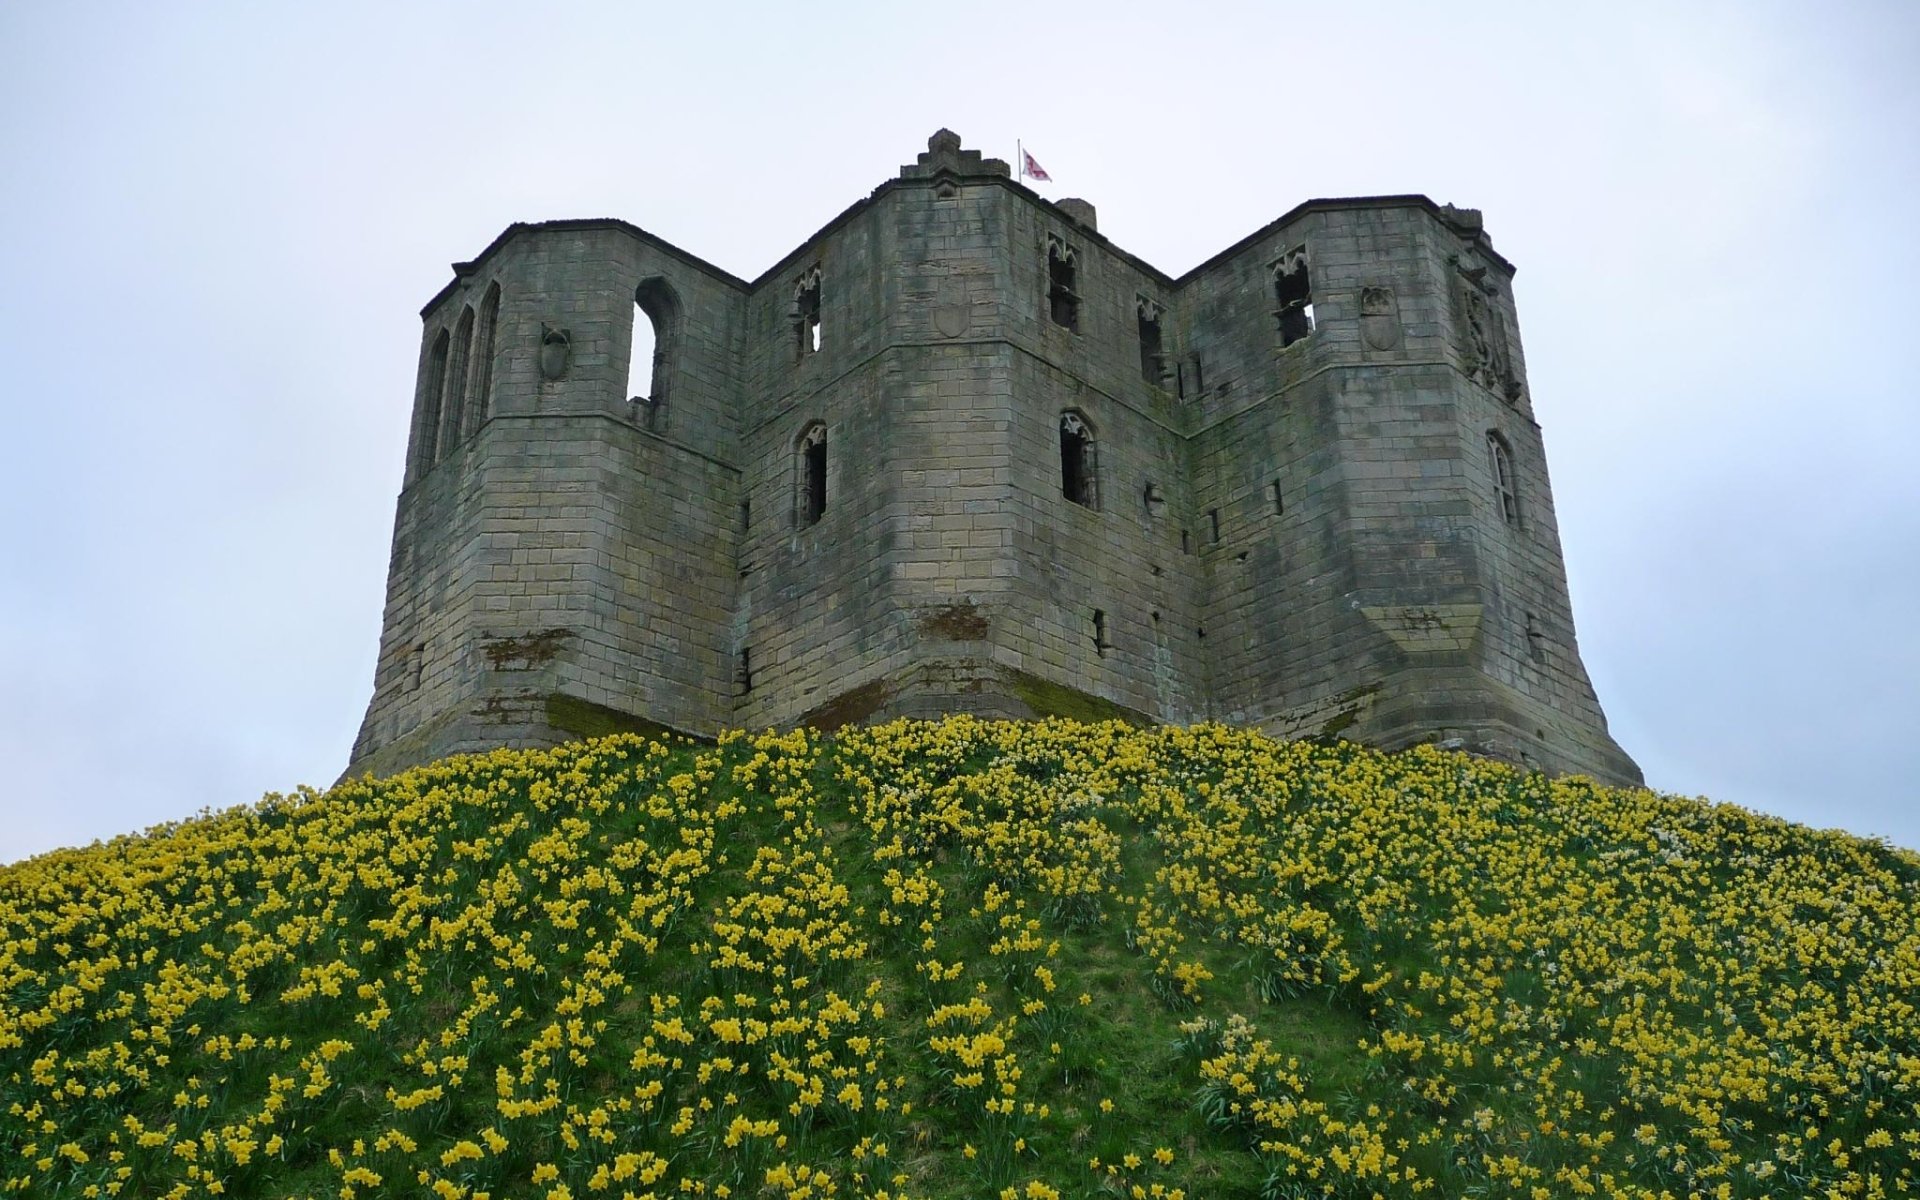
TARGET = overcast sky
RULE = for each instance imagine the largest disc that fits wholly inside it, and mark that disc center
(218, 224)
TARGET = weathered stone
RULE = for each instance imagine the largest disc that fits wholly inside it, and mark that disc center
(1278, 506)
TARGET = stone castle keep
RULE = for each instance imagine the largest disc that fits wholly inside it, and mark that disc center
(959, 452)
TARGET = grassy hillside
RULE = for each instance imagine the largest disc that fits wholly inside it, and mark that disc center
(964, 959)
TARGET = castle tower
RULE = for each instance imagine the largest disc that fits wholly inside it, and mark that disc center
(959, 452)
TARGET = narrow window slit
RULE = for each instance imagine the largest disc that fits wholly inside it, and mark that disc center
(416, 665)
(1153, 358)
(810, 504)
(1506, 494)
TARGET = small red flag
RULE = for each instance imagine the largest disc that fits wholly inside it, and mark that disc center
(1032, 169)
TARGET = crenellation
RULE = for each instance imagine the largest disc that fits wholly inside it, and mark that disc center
(958, 451)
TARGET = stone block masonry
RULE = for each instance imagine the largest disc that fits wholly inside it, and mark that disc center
(959, 452)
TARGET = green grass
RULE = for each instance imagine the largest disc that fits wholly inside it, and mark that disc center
(1488, 982)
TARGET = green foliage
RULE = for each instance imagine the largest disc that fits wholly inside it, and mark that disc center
(962, 959)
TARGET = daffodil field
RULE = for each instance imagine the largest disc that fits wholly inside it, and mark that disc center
(964, 959)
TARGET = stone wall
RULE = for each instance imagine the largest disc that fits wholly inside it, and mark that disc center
(1306, 536)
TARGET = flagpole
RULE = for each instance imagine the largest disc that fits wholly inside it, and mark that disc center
(1020, 156)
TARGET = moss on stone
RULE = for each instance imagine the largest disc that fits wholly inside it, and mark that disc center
(1049, 699)
(1349, 706)
(526, 652)
(585, 719)
(849, 708)
(963, 622)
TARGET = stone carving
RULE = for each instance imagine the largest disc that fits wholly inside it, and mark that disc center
(952, 315)
(1379, 318)
(1156, 500)
(1483, 334)
(556, 350)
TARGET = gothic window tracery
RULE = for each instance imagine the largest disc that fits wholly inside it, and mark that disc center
(1505, 485)
(810, 502)
(1078, 460)
(1063, 296)
(806, 314)
(479, 399)
(1293, 296)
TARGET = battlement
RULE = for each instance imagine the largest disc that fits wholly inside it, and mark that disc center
(960, 452)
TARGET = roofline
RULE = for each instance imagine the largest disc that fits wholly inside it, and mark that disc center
(465, 270)
(1334, 204)
(1324, 204)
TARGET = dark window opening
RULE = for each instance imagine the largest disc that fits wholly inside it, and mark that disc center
(1293, 296)
(1063, 300)
(1153, 358)
(1536, 641)
(453, 408)
(1506, 494)
(1100, 643)
(480, 373)
(1186, 541)
(1279, 501)
(430, 405)
(1077, 461)
(1213, 526)
(811, 503)
(806, 314)
(743, 671)
(746, 515)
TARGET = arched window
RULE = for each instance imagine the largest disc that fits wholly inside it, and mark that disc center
(1078, 462)
(1506, 490)
(640, 363)
(656, 328)
(452, 414)
(1293, 296)
(806, 314)
(1063, 284)
(479, 402)
(427, 432)
(810, 475)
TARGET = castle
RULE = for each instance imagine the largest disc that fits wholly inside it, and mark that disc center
(959, 452)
